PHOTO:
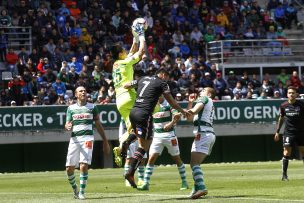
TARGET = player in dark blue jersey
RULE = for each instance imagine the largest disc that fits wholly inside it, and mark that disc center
(292, 112)
(148, 92)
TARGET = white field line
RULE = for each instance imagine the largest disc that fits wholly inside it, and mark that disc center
(152, 195)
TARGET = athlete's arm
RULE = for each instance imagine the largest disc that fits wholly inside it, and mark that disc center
(130, 85)
(133, 48)
(279, 125)
(106, 146)
(175, 118)
(174, 104)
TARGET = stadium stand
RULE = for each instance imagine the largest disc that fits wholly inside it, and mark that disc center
(242, 36)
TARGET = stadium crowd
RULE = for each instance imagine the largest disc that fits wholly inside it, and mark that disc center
(72, 43)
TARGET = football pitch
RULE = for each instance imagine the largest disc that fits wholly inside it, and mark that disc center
(226, 182)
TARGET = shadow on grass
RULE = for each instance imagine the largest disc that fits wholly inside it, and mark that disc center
(211, 197)
(102, 197)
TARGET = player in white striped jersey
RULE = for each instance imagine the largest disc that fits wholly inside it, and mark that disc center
(164, 120)
(204, 137)
(79, 119)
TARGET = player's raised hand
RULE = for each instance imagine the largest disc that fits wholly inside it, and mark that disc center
(138, 27)
(187, 114)
(176, 117)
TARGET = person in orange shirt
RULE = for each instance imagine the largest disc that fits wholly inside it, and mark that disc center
(75, 12)
(74, 40)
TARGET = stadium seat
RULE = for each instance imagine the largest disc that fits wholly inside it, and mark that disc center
(7, 75)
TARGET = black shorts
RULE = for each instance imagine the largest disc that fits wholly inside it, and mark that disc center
(142, 123)
(291, 141)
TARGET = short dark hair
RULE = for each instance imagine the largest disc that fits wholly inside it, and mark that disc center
(292, 88)
(162, 70)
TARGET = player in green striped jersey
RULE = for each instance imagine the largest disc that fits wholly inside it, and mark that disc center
(164, 120)
(80, 118)
(203, 115)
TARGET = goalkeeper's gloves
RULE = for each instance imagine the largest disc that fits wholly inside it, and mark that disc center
(138, 29)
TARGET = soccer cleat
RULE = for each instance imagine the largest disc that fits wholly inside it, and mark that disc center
(130, 179)
(117, 157)
(192, 192)
(127, 183)
(184, 186)
(285, 177)
(140, 182)
(199, 194)
(81, 196)
(144, 186)
(76, 193)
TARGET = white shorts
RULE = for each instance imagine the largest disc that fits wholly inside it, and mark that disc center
(132, 149)
(158, 145)
(80, 150)
(203, 142)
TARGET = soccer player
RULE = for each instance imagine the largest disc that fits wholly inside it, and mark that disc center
(148, 92)
(122, 74)
(204, 137)
(292, 112)
(79, 120)
(164, 121)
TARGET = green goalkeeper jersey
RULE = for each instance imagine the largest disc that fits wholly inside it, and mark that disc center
(82, 118)
(123, 73)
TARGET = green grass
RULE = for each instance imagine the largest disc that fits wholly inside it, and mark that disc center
(227, 182)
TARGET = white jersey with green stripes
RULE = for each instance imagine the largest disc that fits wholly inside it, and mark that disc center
(161, 117)
(82, 118)
(203, 121)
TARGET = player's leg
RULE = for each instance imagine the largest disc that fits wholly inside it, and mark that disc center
(85, 160)
(173, 150)
(155, 150)
(201, 148)
(287, 149)
(143, 129)
(72, 161)
(130, 153)
(141, 171)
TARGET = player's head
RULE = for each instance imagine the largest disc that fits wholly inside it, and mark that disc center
(118, 53)
(209, 92)
(81, 93)
(292, 93)
(163, 74)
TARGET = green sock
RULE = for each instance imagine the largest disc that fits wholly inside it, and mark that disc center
(198, 178)
(182, 172)
(72, 180)
(141, 172)
(83, 182)
(148, 173)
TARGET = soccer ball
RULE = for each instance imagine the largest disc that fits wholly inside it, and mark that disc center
(140, 21)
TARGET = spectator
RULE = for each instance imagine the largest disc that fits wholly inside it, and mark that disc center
(5, 19)
(267, 88)
(291, 15)
(295, 80)
(232, 80)
(59, 87)
(220, 86)
(11, 59)
(282, 77)
(179, 97)
(3, 45)
(206, 80)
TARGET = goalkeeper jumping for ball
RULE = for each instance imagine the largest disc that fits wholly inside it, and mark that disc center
(123, 74)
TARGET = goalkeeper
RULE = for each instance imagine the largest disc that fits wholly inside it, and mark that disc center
(123, 74)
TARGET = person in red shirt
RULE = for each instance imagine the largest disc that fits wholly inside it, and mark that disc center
(295, 80)
(12, 59)
(75, 12)
(40, 66)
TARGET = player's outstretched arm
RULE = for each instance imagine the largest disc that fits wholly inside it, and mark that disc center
(175, 105)
(106, 146)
